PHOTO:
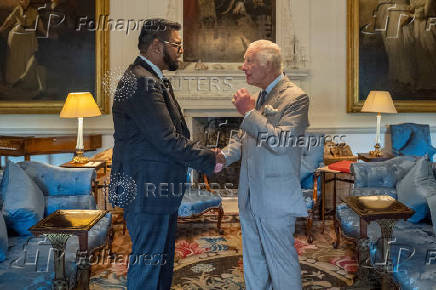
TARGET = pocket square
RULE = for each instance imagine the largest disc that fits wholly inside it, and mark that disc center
(269, 110)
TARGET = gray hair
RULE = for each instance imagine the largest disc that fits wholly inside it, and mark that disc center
(268, 51)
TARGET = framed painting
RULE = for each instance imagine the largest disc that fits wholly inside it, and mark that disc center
(220, 30)
(392, 47)
(49, 48)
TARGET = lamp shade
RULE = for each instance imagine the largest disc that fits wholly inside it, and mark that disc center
(80, 105)
(379, 102)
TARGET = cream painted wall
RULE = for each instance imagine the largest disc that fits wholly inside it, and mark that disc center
(322, 26)
(328, 70)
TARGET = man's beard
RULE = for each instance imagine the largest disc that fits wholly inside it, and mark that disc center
(172, 64)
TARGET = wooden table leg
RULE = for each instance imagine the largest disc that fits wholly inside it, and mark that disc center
(366, 277)
(323, 200)
(335, 220)
(58, 241)
(387, 227)
(83, 266)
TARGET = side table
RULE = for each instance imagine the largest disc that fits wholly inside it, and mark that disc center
(369, 158)
(96, 164)
(58, 228)
(385, 211)
(322, 171)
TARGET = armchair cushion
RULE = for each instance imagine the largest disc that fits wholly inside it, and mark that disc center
(196, 201)
(419, 147)
(415, 187)
(381, 174)
(53, 180)
(53, 203)
(412, 139)
(23, 201)
(368, 175)
(3, 239)
(400, 137)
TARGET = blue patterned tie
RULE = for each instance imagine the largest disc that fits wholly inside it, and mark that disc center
(260, 99)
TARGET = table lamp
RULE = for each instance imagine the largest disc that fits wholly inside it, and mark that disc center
(80, 105)
(378, 102)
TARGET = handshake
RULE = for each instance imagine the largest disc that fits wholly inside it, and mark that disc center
(220, 160)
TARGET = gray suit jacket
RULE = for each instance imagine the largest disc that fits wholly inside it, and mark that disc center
(269, 180)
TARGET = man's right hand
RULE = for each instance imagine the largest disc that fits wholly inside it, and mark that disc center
(220, 160)
(243, 101)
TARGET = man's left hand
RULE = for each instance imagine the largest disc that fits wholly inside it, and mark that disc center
(243, 101)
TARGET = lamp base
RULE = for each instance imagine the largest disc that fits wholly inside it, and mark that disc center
(79, 157)
(376, 152)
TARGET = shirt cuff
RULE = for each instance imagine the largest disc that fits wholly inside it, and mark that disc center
(248, 113)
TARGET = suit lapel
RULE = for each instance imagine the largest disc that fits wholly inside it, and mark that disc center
(175, 107)
(273, 96)
(172, 105)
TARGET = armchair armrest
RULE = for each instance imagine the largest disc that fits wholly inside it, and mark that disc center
(54, 180)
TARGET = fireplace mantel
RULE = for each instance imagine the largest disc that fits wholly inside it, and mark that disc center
(209, 93)
(214, 89)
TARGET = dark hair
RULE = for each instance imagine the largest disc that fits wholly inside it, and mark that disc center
(156, 28)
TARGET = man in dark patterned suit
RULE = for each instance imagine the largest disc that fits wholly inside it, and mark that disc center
(152, 152)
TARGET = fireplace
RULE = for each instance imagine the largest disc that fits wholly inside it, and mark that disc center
(213, 132)
(205, 89)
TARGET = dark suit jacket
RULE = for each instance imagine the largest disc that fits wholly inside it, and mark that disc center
(152, 143)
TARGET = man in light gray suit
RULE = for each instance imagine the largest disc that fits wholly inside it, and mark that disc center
(269, 192)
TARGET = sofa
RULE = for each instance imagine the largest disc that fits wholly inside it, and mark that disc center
(412, 181)
(29, 191)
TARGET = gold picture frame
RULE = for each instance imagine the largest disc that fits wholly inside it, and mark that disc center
(366, 25)
(98, 52)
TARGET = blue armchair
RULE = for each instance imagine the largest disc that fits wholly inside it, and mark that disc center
(197, 202)
(412, 139)
(29, 192)
(371, 178)
(411, 181)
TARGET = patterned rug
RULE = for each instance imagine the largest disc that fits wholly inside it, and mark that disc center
(207, 260)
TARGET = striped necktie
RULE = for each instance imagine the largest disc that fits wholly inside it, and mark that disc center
(261, 99)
